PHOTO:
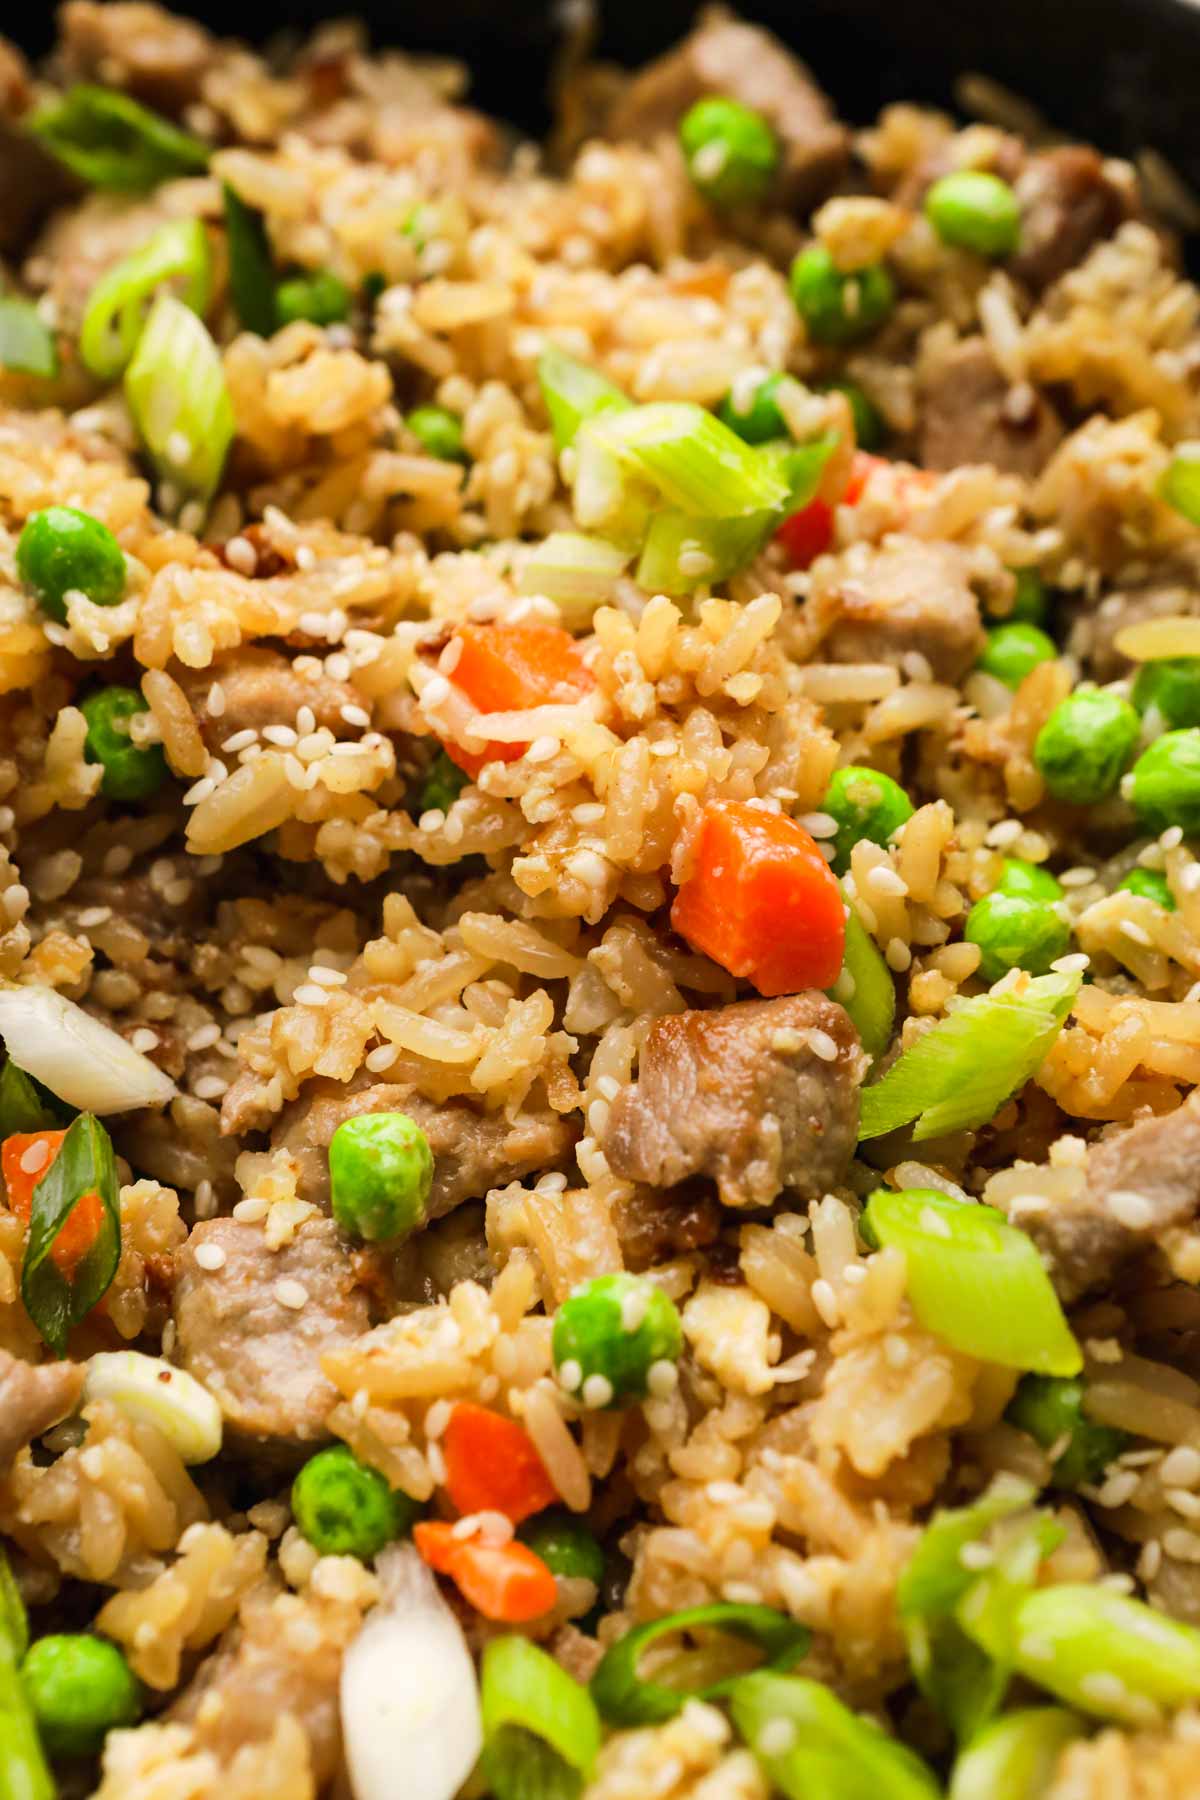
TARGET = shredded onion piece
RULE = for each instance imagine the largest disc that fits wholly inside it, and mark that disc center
(1154, 638)
(82, 1061)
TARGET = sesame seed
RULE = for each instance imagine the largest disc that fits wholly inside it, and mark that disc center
(898, 955)
(1118, 1489)
(241, 555)
(282, 735)
(1077, 877)
(216, 700)
(324, 977)
(597, 1391)
(210, 1087)
(1172, 837)
(819, 824)
(35, 1156)
(200, 790)
(356, 715)
(292, 1294)
(1077, 961)
(436, 691)
(204, 1037)
(1181, 1467)
(308, 994)
(144, 1040)
(822, 1045)
(306, 721)
(1137, 934)
(885, 880)
(826, 1302)
(94, 915)
(662, 1378)
(1130, 1209)
(251, 1210)
(241, 740)
(570, 1375)
(634, 1308)
(1006, 832)
(381, 1058)
(210, 1257)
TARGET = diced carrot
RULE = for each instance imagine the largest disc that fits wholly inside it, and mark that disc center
(492, 1466)
(761, 900)
(82, 1225)
(507, 1582)
(808, 533)
(507, 668)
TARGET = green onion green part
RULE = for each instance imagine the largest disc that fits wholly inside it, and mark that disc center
(626, 1698)
(54, 1301)
(25, 1105)
(24, 1772)
(251, 266)
(541, 1730)
(27, 345)
(865, 988)
(1180, 483)
(574, 570)
(695, 463)
(175, 387)
(116, 309)
(812, 1747)
(110, 141)
(1015, 1758)
(574, 393)
(1106, 1654)
(1050, 1409)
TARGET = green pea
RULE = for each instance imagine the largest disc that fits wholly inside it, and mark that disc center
(1151, 884)
(320, 298)
(761, 420)
(565, 1545)
(1031, 604)
(973, 210)
(1050, 1409)
(1180, 484)
(1172, 687)
(380, 1175)
(1013, 649)
(345, 1508)
(444, 782)
(1084, 745)
(1016, 932)
(131, 772)
(1166, 782)
(839, 308)
(731, 152)
(80, 1688)
(866, 804)
(439, 432)
(62, 550)
(870, 429)
(1028, 880)
(610, 1334)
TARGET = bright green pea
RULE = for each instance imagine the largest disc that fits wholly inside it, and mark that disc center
(1151, 884)
(444, 782)
(1031, 604)
(131, 772)
(62, 550)
(345, 1508)
(439, 432)
(610, 1334)
(320, 298)
(1166, 782)
(1015, 932)
(80, 1688)
(731, 152)
(870, 429)
(1028, 880)
(565, 1545)
(1082, 749)
(839, 308)
(1013, 649)
(1180, 484)
(380, 1174)
(866, 804)
(974, 210)
(1050, 1409)
(1172, 687)
(761, 420)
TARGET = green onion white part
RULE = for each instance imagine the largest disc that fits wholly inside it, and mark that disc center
(81, 1060)
(151, 1390)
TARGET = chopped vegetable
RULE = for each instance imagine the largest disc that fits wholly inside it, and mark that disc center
(25, 1158)
(575, 393)
(577, 572)
(80, 1688)
(1013, 649)
(345, 1508)
(541, 1731)
(439, 432)
(1085, 744)
(1031, 603)
(117, 305)
(759, 420)
(506, 1582)
(27, 345)
(1050, 1409)
(131, 771)
(492, 1466)
(865, 988)
(1106, 1654)
(154, 1391)
(731, 152)
(175, 389)
(839, 308)
(866, 804)
(509, 668)
(82, 1061)
(627, 1698)
(683, 552)
(975, 1280)
(1015, 1758)
(380, 1176)
(25, 1106)
(24, 1774)
(609, 1337)
(409, 1700)
(960, 1073)
(110, 141)
(251, 266)
(1016, 931)
(761, 900)
(62, 551)
(812, 1747)
(320, 297)
(1165, 786)
(442, 785)
(1171, 685)
(1180, 484)
(565, 1545)
(972, 209)
(1150, 884)
(57, 1294)
(694, 461)
(14, 1622)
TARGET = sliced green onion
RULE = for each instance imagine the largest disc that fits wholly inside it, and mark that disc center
(607, 498)
(54, 1301)
(25, 1105)
(27, 345)
(251, 267)
(812, 1747)
(683, 552)
(625, 1698)
(1015, 1758)
(959, 1074)
(1180, 483)
(694, 461)
(541, 1730)
(109, 141)
(865, 988)
(987, 1611)
(1106, 1654)
(176, 391)
(117, 305)
(24, 1771)
(576, 571)
(14, 1622)
(975, 1280)
(935, 1578)
(152, 1390)
(575, 393)
(801, 466)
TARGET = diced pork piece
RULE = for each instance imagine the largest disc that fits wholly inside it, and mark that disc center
(1138, 1183)
(259, 687)
(759, 1096)
(1068, 203)
(472, 1151)
(1163, 590)
(724, 56)
(969, 413)
(252, 1322)
(157, 55)
(910, 595)
(33, 1397)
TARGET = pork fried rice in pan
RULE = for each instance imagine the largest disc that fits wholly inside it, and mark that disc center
(600, 883)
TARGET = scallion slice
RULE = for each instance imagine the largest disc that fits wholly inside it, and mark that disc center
(1107, 1654)
(607, 496)
(27, 345)
(116, 310)
(801, 466)
(683, 551)
(55, 1301)
(865, 988)
(975, 1280)
(576, 571)
(110, 141)
(962, 1071)
(26, 1106)
(812, 1747)
(252, 280)
(176, 391)
(541, 1730)
(693, 460)
(1015, 1758)
(14, 1621)
(574, 393)
(626, 1698)
(24, 1771)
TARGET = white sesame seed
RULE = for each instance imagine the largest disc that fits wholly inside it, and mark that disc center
(308, 994)
(1103, 1688)
(1172, 837)
(570, 1375)
(1077, 877)
(819, 824)
(35, 1156)
(1137, 934)
(822, 1045)
(436, 691)
(292, 1294)
(92, 916)
(826, 1302)
(356, 715)
(204, 1037)
(179, 449)
(1119, 1488)
(543, 749)
(898, 955)
(1077, 961)
(1181, 1467)
(210, 1087)
(634, 1307)
(381, 1058)
(240, 740)
(1006, 832)
(1131, 1210)
(144, 1040)
(662, 1378)
(283, 735)
(597, 1391)
(432, 820)
(210, 1257)
(216, 700)
(306, 721)
(324, 977)
(200, 790)
(885, 880)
